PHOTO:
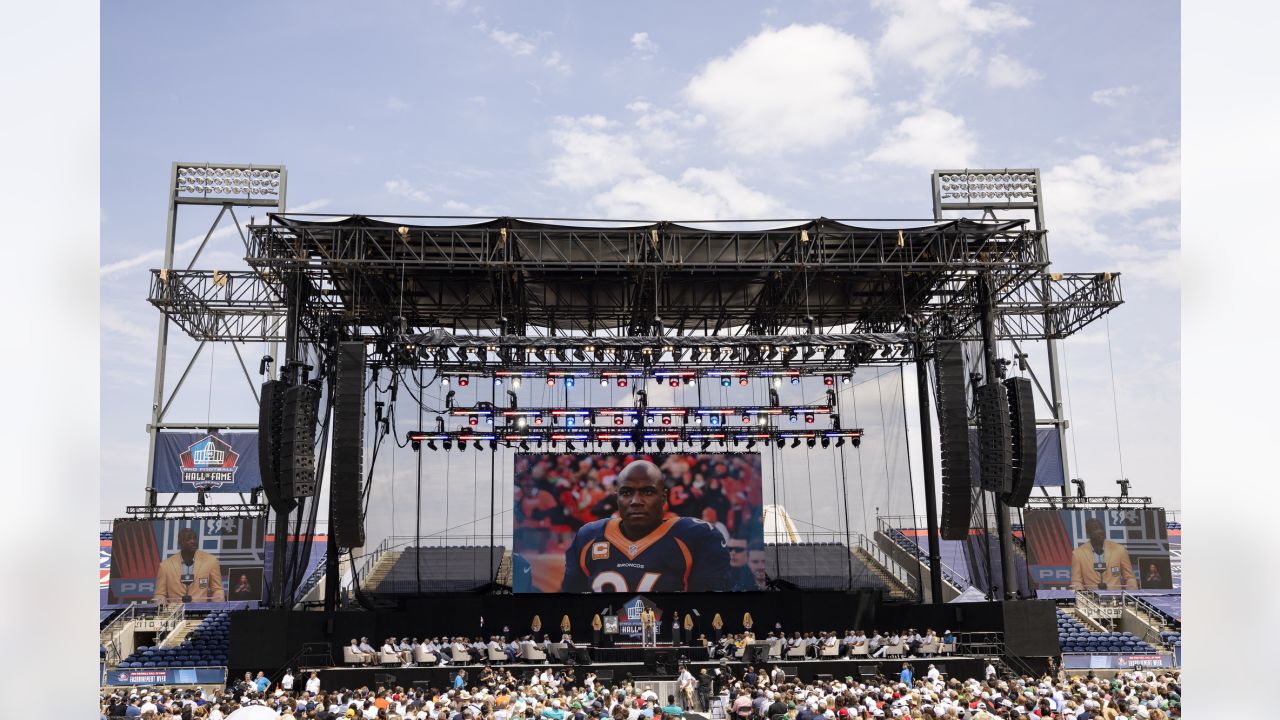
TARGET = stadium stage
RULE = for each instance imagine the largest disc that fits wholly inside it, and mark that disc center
(807, 670)
(274, 638)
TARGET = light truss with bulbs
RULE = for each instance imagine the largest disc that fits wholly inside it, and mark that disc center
(676, 438)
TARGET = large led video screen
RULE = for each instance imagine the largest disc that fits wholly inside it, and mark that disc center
(186, 560)
(642, 522)
(1098, 549)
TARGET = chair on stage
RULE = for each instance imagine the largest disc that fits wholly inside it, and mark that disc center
(531, 653)
(389, 658)
(858, 650)
(829, 652)
(351, 657)
(497, 656)
(946, 648)
(796, 652)
(775, 650)
(558, 652)
(928, 648)
(895, 650)
(460, 656)
(423, 657)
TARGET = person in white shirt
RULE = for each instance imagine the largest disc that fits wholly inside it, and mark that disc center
(313, 683)
(148, 705)
(933, 674)
(686, 684)
(367, 649)
(875, 642)
(894, 640)
(286, 682)
(859, 644)
(405, 650)
(990, 672)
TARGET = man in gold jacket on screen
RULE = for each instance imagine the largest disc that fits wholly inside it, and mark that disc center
(190, 575)
(1099, 563)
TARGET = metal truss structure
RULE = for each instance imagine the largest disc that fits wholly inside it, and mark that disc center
(511, 298)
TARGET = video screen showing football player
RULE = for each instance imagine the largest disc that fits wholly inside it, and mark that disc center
(645, 547)
(1099, 563)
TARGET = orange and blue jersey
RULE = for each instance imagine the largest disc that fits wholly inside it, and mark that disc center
(681, 554)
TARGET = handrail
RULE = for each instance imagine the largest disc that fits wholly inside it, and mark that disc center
(113, 631)
(1163, 617)
(949, 574)
(887, 563)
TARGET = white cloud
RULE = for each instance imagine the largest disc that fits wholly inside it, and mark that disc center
(644, 45)
(155, 257)
(939, 37)
(598, 154)
(781, 90)
(513, 42)
(932, 139)
(592, 153)
(406, 189)
(557, 63)
(395, 104)
(698, 194)
(1112, 96)
(113, 321)
(1123, 209)
(1006, 72)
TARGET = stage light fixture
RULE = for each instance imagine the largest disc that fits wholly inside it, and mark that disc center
(713, 420)
(568, 445)
(541, 354)
(826, 441)
(537, 419)
(662, 445)
(697, 419)
(604, 382)
(808, 352)
(746, 418)
(666, 419)
(472, 420)
(617, 419)
(794, 418)
(795, 442)
(674, 382)
(497, 382)
(840, 441)
(688, 380)
(551, 381)
(828, 380)
(808, 417)
(521, 422)
(444, 381)
(773, 398)
(524, 445)
(614, 444)
(415, 444)
(744, 381)
(448, 444)
(811, 442)
(515, 383)
(795, 379)
(726, 381)
(706, 445)
(568, 383)
(463, 381)
(622, 382)
(856, 442)
(846, 379)
(431, 444)
(493, 444)
(570, 421)
(751, 442)
(462, 446)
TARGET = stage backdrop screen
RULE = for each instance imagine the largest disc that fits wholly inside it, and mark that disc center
(1079, 549)
(675, 522)
(187, 560)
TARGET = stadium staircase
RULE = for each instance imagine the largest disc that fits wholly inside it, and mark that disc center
(883, 567)
(915, 561)
(504, 571)
(179, 634)
(381, 568)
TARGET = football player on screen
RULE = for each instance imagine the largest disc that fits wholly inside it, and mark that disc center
(645, 548)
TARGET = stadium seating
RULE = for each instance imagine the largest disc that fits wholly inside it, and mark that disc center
(205, 647)
(449, 568)
(951, 552)
(1074, 637)
(820, 566)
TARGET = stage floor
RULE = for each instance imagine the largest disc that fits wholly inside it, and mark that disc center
(441, 676)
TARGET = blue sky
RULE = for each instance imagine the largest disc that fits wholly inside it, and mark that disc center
(663, 111)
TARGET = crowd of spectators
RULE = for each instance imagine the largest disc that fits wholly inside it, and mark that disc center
(764, 694)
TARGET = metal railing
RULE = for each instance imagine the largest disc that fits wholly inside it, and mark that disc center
(1098, 608)
(949, 574)
(887, 563)
(1156, 613)
(112, 634)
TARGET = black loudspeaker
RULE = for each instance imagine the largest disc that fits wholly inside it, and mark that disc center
(384, 679)
(953, 431)
(868, 672)
(270, 421)
(581, 656)
(346, 494)
(790, 670)
(995, 446)
(298, 441)
(1022, 424)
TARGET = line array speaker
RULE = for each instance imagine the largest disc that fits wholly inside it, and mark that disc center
(1022, 424)
(298, 441)
(995, 446)
(347, 470)
(953, 431)
(270, 422)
